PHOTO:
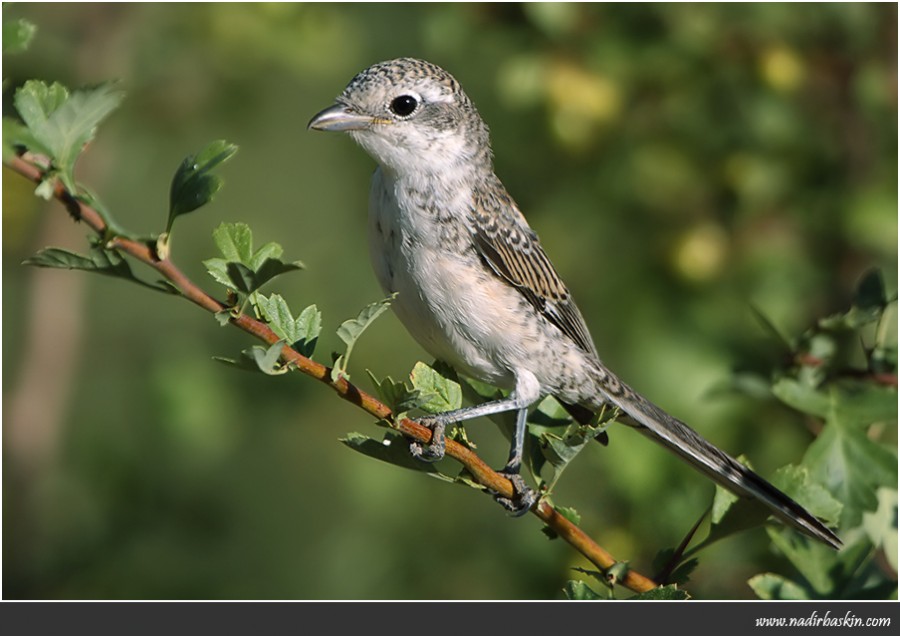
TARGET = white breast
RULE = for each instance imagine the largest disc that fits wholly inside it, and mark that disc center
(437, 285)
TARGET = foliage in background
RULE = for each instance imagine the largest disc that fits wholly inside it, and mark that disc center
(767, 203)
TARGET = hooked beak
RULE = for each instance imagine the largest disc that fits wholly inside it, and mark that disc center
(339, 118)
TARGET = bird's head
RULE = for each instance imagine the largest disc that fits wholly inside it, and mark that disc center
(412, 117)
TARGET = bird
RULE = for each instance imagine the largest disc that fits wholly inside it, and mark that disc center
(475, 287)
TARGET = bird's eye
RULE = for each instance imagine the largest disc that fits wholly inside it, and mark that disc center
(404, 105)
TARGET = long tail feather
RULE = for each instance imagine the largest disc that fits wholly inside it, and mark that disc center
(677, 437)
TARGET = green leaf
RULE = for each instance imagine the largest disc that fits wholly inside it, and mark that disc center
(845, 460)
(393, 449)
(235, 241)
(62, 123)
(100, 261)
(881, 525)
(257, 358)
(272, 267)
(240, 277)
(569, 513)
(218, 269)
(730, 514)
(397, 395)
(302, 333)
(581, 591)
(351, 330)
(268, 360)
(17, 35)
(796, 482)
(662, 593)
(309, 325)
(270, 251)
(223, 318)
(801, 397)
(774, 587)
(827, 572)
(193, 185)
(35, 102)
(241, 269)
(560, 439)
(439, 393)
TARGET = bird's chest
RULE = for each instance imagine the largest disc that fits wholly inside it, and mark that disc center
(421, 248)
(414, 232)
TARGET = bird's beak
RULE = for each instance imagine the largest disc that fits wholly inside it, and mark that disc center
(339, 118)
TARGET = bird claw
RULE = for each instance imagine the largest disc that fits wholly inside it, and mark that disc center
(523, 497)
(434, 450)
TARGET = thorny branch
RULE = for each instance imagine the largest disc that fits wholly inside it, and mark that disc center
(482, 473)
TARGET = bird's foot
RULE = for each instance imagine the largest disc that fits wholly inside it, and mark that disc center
(523, 497)
(434, 450)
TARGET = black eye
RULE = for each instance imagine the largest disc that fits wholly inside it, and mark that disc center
(404, 105)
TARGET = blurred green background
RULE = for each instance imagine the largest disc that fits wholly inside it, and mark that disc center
(681, 163)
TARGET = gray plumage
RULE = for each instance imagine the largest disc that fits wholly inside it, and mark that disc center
(474, 285)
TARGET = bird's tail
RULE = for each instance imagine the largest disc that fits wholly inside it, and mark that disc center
(679, 438)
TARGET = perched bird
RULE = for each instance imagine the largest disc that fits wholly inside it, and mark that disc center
(474, 285)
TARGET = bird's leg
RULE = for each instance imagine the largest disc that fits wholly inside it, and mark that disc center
(434, 450)
(523, 496)
(527, 391)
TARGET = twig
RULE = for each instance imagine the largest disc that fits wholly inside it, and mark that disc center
(482, 473)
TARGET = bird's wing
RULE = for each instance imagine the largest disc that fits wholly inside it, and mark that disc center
(513, 251)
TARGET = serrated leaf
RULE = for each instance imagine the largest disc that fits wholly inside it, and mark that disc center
(828, 572)
(796, 482)
(801, 397)
(774, 587)
(351, 330)
(235, 241)
(35, 101)
(561, 440)
(218, 269)
(61, 123)
(223, 317)
(99, 260)
(393, 449)
(268, 359)
(257, 358)
(397, 395)
(240, 277)
(309, 325)
(439, 393)
(581, 591)
(272, 267)
(241, 269)
(662, 593)
(852, 466)
(268, 251)
(881, 525)
(302, 332)
(194, 185)
(730, 514)
(17, 35)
